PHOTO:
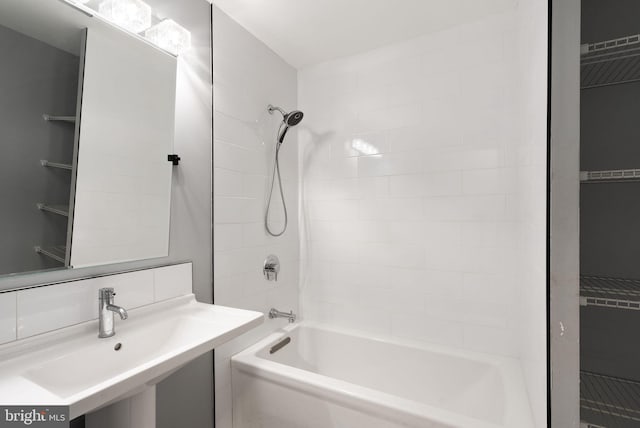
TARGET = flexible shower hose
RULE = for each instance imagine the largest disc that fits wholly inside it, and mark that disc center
(276, 170)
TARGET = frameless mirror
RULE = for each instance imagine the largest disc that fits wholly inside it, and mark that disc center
(86, 124)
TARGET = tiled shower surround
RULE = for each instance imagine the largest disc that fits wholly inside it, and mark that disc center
(410, 195)
(421, 195)
(423, 190)
(248, 77)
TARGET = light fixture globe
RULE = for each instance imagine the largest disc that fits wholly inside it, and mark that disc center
(132, 15)
(169, 36)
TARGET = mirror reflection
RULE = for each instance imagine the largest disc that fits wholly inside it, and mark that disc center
(86, 124)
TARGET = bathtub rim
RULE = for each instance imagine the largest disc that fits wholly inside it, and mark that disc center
(385, 405)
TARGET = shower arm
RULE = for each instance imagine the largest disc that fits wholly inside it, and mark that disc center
(272, 108)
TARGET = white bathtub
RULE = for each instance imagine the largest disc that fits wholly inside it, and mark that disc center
(326, 378)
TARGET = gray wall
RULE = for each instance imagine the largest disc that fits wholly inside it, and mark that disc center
(564, 221)
(36, 78)
(610, 212)
(186, 398)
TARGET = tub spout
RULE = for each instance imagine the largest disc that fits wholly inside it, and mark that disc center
(274, 313)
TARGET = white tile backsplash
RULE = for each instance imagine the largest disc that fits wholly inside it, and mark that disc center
(172, 281)
(25, 313)
(49, 308)
(134, 289)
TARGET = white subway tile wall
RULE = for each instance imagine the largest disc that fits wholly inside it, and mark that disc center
(172, 281)
(422, 171)
(32, 311)
(531, 161)
(248, 77)
(417, 209)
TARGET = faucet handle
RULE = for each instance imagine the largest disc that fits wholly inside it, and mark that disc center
(271, 268)
(106, 293)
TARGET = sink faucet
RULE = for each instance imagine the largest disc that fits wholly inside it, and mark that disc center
(274, 313)
(106, 309)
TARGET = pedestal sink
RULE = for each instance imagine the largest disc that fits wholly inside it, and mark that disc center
(73, 367)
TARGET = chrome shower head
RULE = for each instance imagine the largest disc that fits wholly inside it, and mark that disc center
(293, 118)
(290, 119)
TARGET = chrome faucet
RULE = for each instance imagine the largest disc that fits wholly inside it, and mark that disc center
(274, 313)
(106, 309)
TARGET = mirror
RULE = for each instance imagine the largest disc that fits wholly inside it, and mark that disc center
(86, 123)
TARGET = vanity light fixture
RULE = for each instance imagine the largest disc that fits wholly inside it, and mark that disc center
(170, 36)
(133, 15)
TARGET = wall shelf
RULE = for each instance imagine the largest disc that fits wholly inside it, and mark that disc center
(610, 62)
(614, 293)
(48, 164)
(57, 253)
(53, 118)
(611, 400)
(611, 175)
(62, 210)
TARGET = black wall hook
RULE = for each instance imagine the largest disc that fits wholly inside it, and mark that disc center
(175, 159)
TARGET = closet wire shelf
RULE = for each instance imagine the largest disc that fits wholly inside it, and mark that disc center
(613, 175)
(614, 293)
(611, 399)
(610, 62)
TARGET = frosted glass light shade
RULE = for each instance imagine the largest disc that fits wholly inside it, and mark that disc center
(169, 36)
(133, 15)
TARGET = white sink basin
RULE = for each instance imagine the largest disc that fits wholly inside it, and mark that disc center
(72, 367)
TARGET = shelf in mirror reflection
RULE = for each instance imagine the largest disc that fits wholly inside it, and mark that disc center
(62, 210)
(54, 118)
(107, 181)
(58, 165)
(56, 252)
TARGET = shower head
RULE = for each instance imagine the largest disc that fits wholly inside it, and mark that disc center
(293, 118)
(290, 119)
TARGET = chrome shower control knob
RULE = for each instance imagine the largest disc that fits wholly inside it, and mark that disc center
(271, 268)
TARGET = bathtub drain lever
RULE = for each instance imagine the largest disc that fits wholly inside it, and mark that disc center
(278, 346)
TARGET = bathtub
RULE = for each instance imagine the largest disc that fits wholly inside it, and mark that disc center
(324, 378)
